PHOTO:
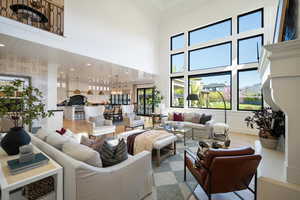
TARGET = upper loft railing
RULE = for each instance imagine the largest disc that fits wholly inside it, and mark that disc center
(41, 14)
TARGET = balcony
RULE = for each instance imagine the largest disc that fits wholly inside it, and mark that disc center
(43, 14)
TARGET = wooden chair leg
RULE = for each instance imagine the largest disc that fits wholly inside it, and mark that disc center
(158, 157)
(184, 176)
(174, 147)
(192, 134)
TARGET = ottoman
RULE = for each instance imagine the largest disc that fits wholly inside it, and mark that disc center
(158, 145)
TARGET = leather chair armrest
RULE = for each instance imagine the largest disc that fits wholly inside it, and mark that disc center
(213, 153)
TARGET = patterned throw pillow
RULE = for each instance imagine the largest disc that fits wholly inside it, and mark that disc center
(205, 118)
(112, 155)
(178, 117)
(94, 144)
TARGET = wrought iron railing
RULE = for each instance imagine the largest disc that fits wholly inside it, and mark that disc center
(38, 13)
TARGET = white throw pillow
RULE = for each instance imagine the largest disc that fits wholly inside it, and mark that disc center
(43, 133)
(82, 153)
(188, 117)
(56, 140)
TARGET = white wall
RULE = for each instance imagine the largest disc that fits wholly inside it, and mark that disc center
(182, 20)
(122, 32)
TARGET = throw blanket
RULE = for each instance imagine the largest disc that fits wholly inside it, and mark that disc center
(145, 141)
(130, 143)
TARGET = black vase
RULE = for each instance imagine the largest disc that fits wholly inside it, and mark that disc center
(15, 138)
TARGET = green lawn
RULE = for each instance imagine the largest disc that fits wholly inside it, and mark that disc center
(249, 107)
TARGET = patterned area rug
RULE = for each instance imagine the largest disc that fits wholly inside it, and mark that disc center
(169, 183)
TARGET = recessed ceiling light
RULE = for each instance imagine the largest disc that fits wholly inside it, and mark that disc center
(88, 64)
(2, 45)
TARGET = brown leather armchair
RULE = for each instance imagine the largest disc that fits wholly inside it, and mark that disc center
(224, 170)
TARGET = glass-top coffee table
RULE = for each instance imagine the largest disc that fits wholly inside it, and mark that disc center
(178, 130)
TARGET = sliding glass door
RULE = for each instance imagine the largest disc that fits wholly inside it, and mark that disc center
(144, 100)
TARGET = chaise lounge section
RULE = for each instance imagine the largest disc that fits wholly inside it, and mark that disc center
(131, 179)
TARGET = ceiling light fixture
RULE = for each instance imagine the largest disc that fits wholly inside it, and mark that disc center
(88, 64)
(2, 45)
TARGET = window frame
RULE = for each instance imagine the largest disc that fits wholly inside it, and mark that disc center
(171, 62)
(238, 90)
(206, 26)
(171, 92)
(238, 47)
(248, 13)
(171, 46)
(206, 47)
(211, 74)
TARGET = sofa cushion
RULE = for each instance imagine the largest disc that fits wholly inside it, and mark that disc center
(178, 117)
(112, 155)
(56, 140)
(42, 133)
(205, 118)
(196, 118)
(170, 116)
(82, 153)
(188, 117)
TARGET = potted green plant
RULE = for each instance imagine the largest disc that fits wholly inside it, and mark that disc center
(270, 125)
(156, 100)
(21, 104)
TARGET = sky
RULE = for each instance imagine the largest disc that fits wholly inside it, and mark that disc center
(220, 55)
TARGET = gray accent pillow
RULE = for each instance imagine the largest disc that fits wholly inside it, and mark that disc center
(112, 155)
(205, 118)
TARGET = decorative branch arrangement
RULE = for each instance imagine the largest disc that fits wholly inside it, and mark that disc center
(21, 103)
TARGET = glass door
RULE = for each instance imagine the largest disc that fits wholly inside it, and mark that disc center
(141, 101)
(144, 100)
(148, 101)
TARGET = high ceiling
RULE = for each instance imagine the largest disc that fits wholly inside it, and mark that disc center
(166, 4)
(73, 65)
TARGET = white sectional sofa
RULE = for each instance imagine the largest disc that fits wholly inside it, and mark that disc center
(191, 121)
(131, 179)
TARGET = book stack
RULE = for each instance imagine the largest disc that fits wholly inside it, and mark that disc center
(16, 167)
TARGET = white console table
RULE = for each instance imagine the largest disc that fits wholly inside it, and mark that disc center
(9, 183)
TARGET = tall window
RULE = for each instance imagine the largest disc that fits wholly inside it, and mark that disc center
(250, 21)
(208, 87)
(249, 49)
(206, 57)
(207, 72)
(211, 32)
(177, 92)
(177, 62)
(249, 90)
(177, 41)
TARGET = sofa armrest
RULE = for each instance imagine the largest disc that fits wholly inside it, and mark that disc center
(127, 121)
(209, 123)
(91, 126)
(131, 178)
(108, 122)
(137, 118)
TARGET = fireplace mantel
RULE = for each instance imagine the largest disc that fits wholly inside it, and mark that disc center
(279, 69)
